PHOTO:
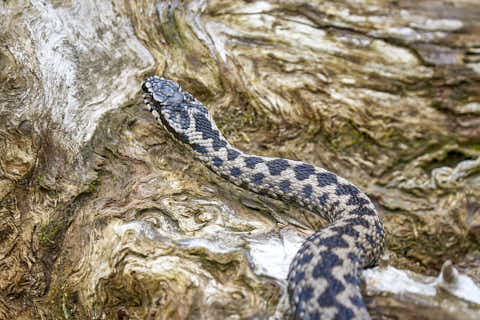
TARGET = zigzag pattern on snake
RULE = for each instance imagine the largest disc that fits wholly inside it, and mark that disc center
(324, 277)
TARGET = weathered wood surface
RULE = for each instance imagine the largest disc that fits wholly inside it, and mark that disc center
(102, 216)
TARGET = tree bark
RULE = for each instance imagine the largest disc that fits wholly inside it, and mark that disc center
(103, 216)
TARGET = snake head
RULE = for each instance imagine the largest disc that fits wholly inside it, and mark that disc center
(180, 114)
(172, 107)
(159, 92)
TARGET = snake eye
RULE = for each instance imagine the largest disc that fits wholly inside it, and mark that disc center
(146, 86)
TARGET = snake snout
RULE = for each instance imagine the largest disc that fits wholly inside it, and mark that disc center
(145, 86)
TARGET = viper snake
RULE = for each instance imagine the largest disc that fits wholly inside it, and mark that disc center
(324, 277)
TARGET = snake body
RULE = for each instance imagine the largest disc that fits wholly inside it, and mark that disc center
(324, 277)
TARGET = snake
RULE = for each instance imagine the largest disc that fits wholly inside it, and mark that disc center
(323, 280)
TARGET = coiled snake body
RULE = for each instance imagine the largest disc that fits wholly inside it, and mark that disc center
(323, 280)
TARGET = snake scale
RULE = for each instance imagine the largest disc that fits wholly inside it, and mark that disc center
(324, 277)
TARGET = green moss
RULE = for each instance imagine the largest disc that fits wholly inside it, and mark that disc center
(436, 104)
(475, 146)
(350, 136)
(238, 119)
(42, 181)
(448, 159)
(93, 185)
(109, 154)
(49, 232)
(66, 307)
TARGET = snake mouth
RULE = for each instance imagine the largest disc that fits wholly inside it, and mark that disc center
(147, 100)
(148, 97)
